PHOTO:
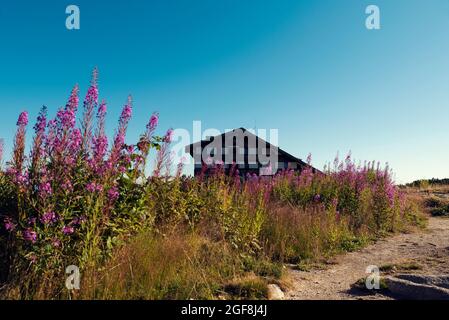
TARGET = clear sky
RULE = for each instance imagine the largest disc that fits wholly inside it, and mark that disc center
(308, 68)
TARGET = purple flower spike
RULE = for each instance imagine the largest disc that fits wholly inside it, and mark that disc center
(23, 119)
(126, 112)
(152, 124)
(169, 136)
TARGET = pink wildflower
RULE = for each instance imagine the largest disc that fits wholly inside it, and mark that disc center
(113, 194)
(29, 235)
(48, 217)
(67, 230)
(94, 187)
(45, 189)
(9, 224)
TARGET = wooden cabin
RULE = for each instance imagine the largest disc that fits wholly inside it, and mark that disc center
(243, 150)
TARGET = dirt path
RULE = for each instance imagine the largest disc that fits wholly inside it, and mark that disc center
(428, 249)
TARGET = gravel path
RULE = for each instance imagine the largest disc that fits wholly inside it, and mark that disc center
(428, 248)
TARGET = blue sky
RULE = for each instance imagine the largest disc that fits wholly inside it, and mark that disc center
(308, 68)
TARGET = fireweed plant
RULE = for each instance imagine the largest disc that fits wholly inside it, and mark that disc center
(79, 198)
(64, 203)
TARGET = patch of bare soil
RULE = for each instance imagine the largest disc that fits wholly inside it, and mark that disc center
(425, 253)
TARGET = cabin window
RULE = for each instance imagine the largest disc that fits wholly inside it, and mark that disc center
(283, 165)
(292, 165)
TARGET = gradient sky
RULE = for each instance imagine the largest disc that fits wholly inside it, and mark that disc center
(308, 68)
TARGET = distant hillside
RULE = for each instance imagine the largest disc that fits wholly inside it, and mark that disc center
(433, 181)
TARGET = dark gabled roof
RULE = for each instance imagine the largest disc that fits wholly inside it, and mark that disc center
(280, 151)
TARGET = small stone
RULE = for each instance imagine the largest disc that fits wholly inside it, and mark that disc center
(275, 293)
